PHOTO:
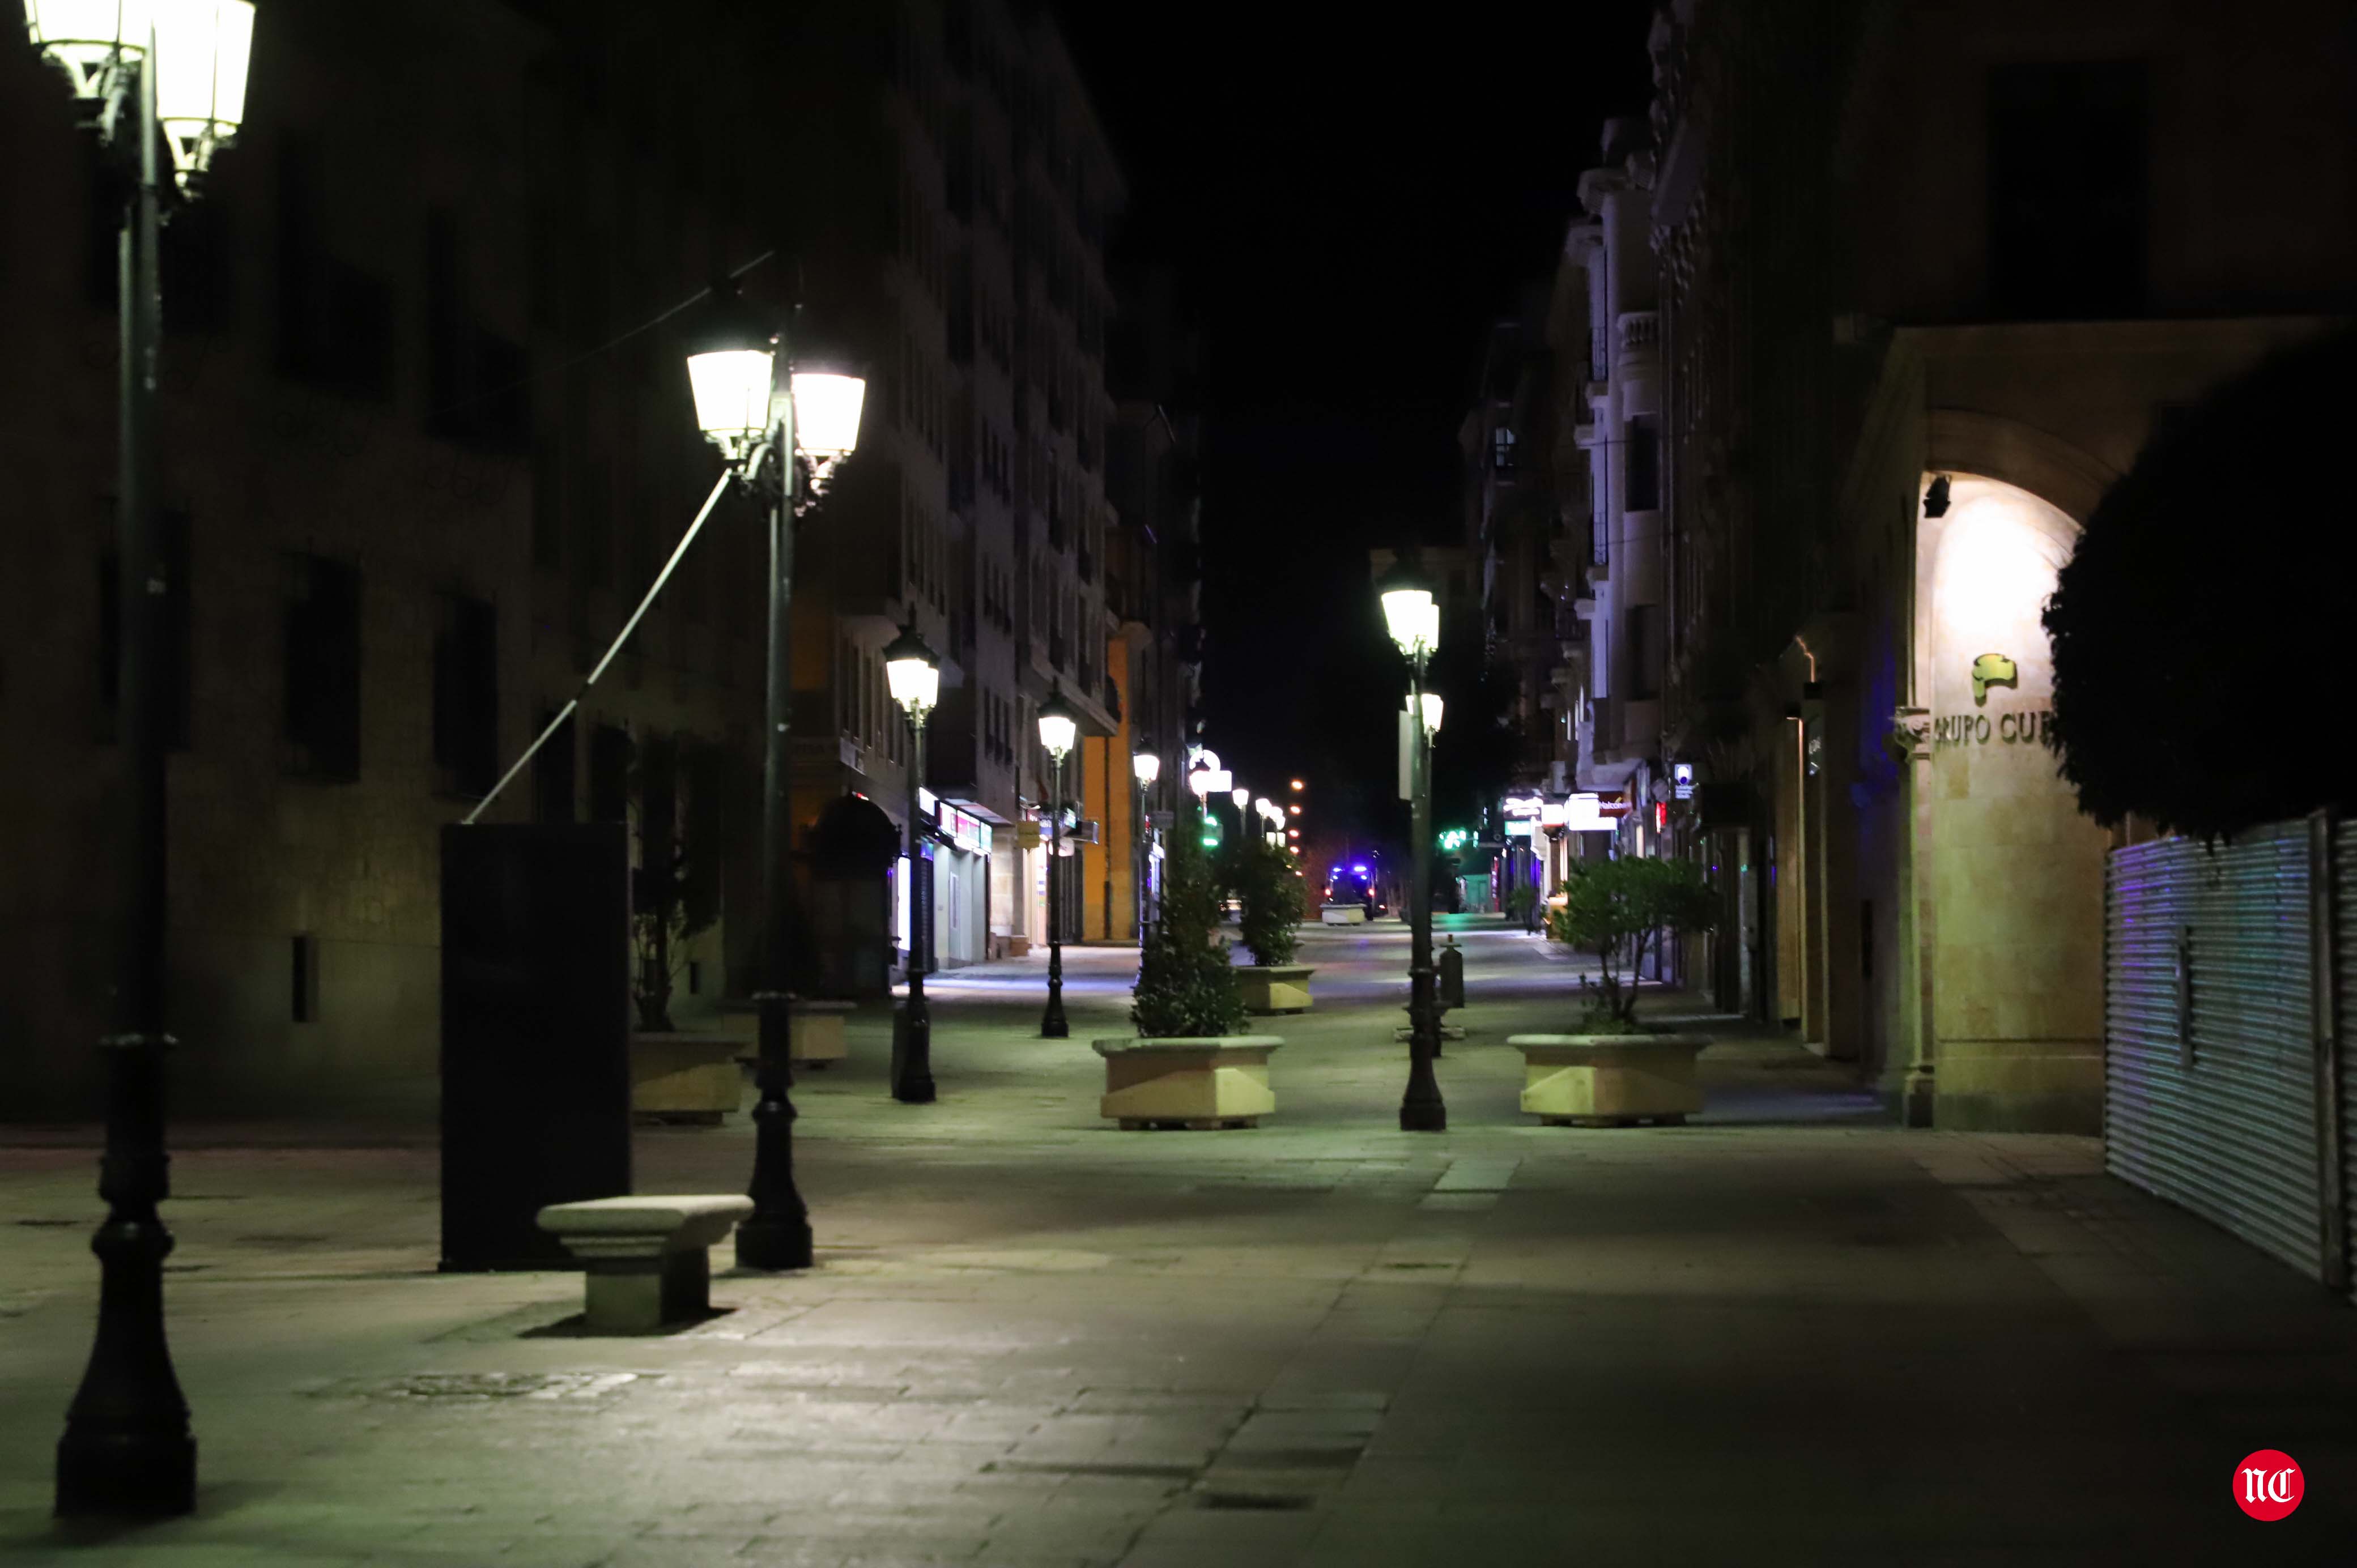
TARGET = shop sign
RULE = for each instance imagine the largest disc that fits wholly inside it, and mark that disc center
(967, 831)
(1682, 781)
(1519, 806)
(2027, 727)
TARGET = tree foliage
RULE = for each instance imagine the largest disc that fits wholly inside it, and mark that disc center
(1268, 887)
(1186, 986)
(1620, 911)
(675, 887)
(2178, 695)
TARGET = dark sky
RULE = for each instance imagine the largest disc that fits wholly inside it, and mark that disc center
(1345, 206)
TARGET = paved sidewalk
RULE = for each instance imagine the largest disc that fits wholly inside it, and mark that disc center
(1786, 1333)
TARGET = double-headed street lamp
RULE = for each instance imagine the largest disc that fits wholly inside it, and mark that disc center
(1059, 728)
(151, 77)
(784, 446)
(915, 677)
(1413, 617)
(1146, 766)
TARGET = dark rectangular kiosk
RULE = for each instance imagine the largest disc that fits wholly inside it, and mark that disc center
(536, 1035)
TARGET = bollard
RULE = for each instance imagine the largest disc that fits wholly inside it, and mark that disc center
(1452, 974)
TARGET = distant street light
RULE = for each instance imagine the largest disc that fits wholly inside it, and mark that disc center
(1147, 767)
(1059, 728)
(143, 71)
(914, 676)
(1413, 617)
(783, 451)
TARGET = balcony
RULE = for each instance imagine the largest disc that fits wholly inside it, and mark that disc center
(1637, 336)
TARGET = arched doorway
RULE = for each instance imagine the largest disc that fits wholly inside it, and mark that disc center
(2016, 873)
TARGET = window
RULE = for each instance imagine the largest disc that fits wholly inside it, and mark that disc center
(320, 669)
(335, 320)
(1641, 473)
(2067, 156)
(553, 773)
(466, 698)
(1502, 450)
(610, 774)
(174, 650)
(303, 1003)
(1644, 653)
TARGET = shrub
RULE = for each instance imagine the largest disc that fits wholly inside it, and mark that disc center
(1185, 984)
(1268, 886)
(2184, 658)
(1619, 910)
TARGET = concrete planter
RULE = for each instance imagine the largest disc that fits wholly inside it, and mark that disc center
(1206, 1082)
(817, 1033)
(1610, 1081)
(685, 1078)
(1274, 987)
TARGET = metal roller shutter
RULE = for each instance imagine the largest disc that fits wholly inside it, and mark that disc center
(2344, 909)
(2217, 1110)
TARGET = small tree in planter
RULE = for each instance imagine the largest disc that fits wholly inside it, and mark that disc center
(675, 887)
(1620, 911)
(1186, 986)
(1268, 888)
(1189, 1066)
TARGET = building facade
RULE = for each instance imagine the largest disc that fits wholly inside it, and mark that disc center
(427, 440)
(1928, 279)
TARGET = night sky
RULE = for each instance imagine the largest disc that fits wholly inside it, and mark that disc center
(1344, 211)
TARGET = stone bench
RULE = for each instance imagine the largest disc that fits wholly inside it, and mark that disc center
(1610, 1081)
(1343, 915)
(1201, 1083)
(645, 1257)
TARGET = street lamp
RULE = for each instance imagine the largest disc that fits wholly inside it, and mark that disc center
(1147, 767)
(1059, 728)
(1413, 617)
(142, 71)
(914, 676)
(767, 441)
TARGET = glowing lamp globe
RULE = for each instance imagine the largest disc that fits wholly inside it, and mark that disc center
(201, 50)
(826, 412)
(1410, 614)
(1059, 726)
(1432, 712)
(731, 361)
(1146, 766)
(912, 672)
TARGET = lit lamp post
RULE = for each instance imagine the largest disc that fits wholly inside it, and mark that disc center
(1147, 767)
(1413, 617)
(163, 75)
(915, 678)
(1059, 728)
(783, 449)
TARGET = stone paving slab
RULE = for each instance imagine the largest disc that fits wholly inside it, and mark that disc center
(1787, 1333)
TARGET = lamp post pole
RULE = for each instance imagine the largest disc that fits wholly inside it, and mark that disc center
(1053, 1025)
(1139, 861)
(1421, 1109)
(912, 1062)
(127, 1450)
(777, 1234)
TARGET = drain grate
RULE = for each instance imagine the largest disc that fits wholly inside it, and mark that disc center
(482, 1387)
(1266, 1502)
(47, 1224)
(1130, 1472)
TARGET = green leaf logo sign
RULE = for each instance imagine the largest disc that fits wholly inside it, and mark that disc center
(1993, 670)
